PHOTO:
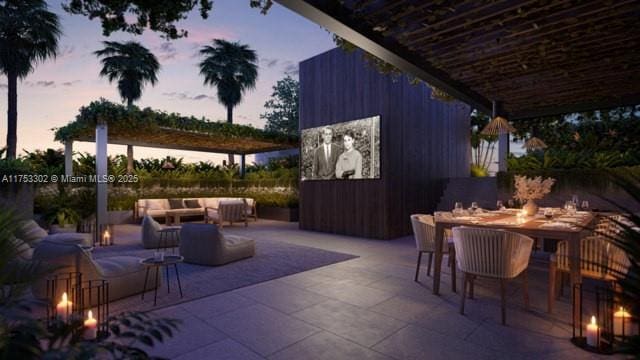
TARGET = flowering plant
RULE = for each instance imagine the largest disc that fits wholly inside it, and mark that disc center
(532, 188)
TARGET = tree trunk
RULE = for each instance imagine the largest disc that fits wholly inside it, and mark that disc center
(129, 103)
(230, 121)
(12, 114)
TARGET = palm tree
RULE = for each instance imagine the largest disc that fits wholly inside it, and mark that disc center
(131, 64)
(232, 68)
(29, 34)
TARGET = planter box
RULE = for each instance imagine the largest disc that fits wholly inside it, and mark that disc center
(277, 213)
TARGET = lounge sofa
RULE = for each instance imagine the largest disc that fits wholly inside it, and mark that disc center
(204, 244)
(124, 274)
(172, 210)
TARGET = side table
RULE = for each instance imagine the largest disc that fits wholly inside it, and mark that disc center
(157, 264)
(166, 235)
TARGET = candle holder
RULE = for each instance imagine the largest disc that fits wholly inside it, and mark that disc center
(56, 286)
(94, 296)
(82, 296)
(614, 324)
(104, 235)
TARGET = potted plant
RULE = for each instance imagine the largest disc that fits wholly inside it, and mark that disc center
(64, 220)
(530, 189)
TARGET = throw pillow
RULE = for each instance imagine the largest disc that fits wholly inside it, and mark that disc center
(192, 204)
(176, 204)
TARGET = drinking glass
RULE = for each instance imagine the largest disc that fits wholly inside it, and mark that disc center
(585, 205)
(575, 200)
(571, 208)
(510, 203)
(457, 208)
(499, 205)
(474, 206)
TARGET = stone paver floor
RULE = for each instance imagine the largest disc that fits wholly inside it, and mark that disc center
(367, 308)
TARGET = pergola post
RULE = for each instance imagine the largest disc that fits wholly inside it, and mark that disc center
(68, 158)
(101, 178)
(129, 159)
(503, 141)
(242, 164)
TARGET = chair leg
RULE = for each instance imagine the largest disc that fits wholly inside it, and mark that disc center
(525, 288)
(452, 264)
(551, 297)
(429, 264)
(561, 288)
(471, 286)
(465, 279)
(418, 266)
(503, 305)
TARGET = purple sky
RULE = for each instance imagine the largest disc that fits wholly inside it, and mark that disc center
(51, 96)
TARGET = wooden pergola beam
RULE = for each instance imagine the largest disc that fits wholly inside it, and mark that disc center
(337, 19)
(573, 108)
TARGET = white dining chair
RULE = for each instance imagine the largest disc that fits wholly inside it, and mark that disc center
(599, 259)
(494, 254)
(424, 233)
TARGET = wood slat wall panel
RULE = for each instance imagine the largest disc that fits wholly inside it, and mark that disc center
(422, 142)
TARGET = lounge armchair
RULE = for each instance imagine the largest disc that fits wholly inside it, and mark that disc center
(203, 244)
(227, 210)
(151, 238)
(124, 274)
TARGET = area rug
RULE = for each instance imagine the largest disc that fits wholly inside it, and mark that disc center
(273, 259)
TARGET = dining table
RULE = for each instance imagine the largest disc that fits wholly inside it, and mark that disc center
(562, 225)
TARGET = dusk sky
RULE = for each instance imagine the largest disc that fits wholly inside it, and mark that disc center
(51, 96)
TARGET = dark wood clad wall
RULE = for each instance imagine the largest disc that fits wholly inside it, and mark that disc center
(422, 142)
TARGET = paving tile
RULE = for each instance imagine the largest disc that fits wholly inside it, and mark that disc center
(405, 287)
(216, 305)
(282, 297)
(345, 272)
(263, 329)
(193, 334)
(351, 322)
(222, 350)
(306, 279)
(516, 341)
(408, 309)
(347, 291)
(413, 342)
(326, 346)
(448, 321)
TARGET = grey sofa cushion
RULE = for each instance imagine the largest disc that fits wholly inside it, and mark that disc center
(30, 232)
(176, 204)
(192, 204)
(204, 244)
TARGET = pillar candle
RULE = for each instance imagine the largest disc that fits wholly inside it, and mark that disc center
(90, 327)
(63, 309)
(592, 332)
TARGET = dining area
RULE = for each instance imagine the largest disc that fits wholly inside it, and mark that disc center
(573, 242)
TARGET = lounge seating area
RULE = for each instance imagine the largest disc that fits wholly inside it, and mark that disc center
(213, 209)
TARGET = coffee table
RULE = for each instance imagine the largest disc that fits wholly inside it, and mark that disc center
(166, 262)
(173, 216)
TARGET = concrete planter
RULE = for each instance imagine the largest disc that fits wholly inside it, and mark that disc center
(277, 213)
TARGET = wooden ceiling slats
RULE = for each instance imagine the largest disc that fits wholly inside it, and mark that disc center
(507, 46)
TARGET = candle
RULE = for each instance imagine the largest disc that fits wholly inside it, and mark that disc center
(622, 318)
(592, 333)
(63, 309)
(106, 237)
(90, 327)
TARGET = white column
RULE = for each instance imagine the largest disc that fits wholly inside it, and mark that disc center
(68, 158)
(129, 159)
(242, 164)
(101, 174)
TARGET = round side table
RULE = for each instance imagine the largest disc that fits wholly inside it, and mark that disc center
(166, 262)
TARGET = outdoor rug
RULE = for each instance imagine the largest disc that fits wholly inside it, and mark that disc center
(273, 259)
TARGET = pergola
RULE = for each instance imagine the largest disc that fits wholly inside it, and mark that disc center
(515, 58)
(105, 123)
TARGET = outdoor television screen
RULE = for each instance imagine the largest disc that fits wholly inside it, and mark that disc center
(345, 151)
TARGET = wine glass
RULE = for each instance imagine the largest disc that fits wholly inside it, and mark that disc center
(585, 205)
(474, 206)
(548, 213)
(499, 205)
(571, 208)
(510, 203)
(457, 208)
(575, 200)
